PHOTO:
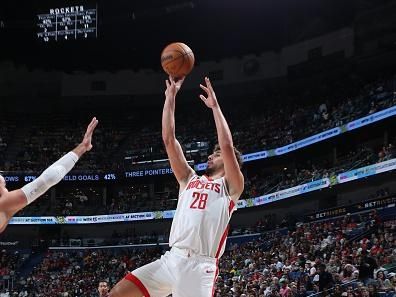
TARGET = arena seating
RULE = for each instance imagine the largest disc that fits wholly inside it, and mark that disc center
(131, 138)
(88, 200)
(356, 250)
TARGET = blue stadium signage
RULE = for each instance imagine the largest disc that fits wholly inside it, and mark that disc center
(257, 201)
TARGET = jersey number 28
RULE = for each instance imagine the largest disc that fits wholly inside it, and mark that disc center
(199, 200)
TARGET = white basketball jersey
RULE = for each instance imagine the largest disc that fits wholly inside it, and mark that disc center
(201, 220)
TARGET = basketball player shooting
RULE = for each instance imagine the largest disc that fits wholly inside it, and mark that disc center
(199, 228)
(12, 202)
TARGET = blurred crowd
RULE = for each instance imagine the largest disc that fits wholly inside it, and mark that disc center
(351, 256)
(315, 168)
(78, 273)
(122, 142)
(317, 257)
(161, 195)
(10, 262)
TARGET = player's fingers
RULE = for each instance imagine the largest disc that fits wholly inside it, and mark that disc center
(181, 80)
(92, 126)
(209, 85)
(93, 123)
(204, 88)
(208, 82)
(96, 122)
(167, 83)
(203, 98)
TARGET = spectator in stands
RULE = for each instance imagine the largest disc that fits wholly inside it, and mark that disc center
(103, 288)
(325, 278)
(392, 278)
(366, 267)
(285, 290)
(346, 275)
(337, 291)
(380, 277)
(372, 288)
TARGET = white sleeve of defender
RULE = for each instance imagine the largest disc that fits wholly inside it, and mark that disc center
(50, 177)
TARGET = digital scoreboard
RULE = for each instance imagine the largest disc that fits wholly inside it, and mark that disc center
(67, 23)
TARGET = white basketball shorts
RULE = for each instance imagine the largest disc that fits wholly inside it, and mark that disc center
(177, 272)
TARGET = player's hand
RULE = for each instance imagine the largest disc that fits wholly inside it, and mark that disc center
(172, 86)
(87, 140)
(210, 100)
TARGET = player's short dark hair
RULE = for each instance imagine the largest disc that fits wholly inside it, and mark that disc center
(237, 153)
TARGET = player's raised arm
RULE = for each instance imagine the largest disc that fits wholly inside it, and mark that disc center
(178, 162)
(12, 202)
(233, 174)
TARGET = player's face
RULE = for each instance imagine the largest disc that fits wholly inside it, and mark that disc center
(215, 162)
(103, 288)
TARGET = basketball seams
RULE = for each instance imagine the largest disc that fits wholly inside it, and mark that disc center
(184, 48)
(181, 46)
(183, 55)
(174, 50)
(181, 64)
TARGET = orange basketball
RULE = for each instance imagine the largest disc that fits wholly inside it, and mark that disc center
(177, 59)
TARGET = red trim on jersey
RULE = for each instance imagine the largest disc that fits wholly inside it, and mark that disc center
(224, 236)
(138, 283)
(231, 207)
(222, 241)
(215, 277)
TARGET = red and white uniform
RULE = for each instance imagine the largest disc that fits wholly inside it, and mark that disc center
(198, 234)
(201, 220)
